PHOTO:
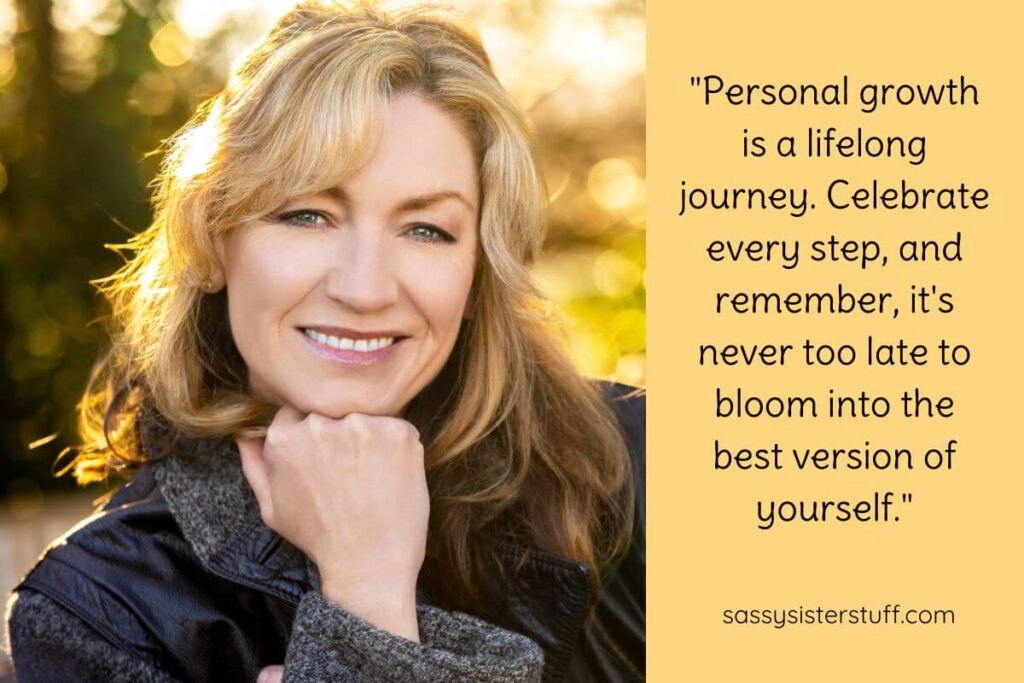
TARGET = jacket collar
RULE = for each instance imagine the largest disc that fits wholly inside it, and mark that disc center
(207, 494)
(202, 483)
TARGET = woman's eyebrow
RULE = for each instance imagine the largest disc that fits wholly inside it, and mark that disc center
(411, 203)
(425, 200)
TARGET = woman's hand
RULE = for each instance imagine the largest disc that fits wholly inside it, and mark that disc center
(271, 674)
(351, 494)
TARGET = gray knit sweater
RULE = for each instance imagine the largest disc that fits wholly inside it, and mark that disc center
(209, 498)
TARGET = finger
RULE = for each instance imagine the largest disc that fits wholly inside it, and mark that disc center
(271, 674)
(288, 414)
(254, 467)
(415, 429)
(359, 426)
(402, 426)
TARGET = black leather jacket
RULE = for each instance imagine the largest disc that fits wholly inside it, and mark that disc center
(133, 574)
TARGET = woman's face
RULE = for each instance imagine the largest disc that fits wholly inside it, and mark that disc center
(351, 300)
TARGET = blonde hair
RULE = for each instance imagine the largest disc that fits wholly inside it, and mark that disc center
(518, 444)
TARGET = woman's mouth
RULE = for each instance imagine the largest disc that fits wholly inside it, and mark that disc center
(350, 350)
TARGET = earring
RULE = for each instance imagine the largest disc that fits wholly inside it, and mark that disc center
(206, 286)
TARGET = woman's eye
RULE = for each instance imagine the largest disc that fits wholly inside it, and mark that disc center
(302, 217)
(430, 233)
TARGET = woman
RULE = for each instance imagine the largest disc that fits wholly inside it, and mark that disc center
(358, 452)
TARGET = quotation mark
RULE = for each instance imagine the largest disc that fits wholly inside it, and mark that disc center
(695, 81)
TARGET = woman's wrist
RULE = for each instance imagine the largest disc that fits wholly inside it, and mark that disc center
(385, 607)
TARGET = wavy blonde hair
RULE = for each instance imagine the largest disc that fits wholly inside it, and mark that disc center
(518, 445)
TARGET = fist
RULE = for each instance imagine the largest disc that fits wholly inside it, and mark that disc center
(351, 494)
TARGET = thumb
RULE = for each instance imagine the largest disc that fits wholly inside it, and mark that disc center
(271, 674)
(255, 469)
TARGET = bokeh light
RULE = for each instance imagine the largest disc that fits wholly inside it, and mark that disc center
(171, 45)
(153, 94)
(8, 63)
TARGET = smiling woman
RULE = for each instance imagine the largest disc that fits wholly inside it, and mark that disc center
(358, 449)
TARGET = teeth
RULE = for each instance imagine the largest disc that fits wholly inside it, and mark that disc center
(347, 344)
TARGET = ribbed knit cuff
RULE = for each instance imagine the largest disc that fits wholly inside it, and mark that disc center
(328, 643)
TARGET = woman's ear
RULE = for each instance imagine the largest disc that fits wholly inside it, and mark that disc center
(214, 283)
(216, 280)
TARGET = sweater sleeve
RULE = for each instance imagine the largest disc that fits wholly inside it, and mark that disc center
(328, 643)
(48, 643)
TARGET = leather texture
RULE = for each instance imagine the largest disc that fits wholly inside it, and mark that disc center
(130, 573)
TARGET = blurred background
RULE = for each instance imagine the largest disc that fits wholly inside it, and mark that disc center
(90, 88)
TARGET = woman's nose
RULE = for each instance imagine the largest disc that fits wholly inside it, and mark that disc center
(363, 276)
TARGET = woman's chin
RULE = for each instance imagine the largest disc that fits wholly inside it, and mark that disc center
(337, 408)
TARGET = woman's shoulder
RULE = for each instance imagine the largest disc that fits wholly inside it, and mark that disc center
(133, 532)
(48, 642)
(629, 402)
(630, 406)
(132, 577)
(96, 572)
(135, 514)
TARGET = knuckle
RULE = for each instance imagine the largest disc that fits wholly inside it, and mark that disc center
(315, 423)
(320, 428)
(409, 433)
(358, 427)
(273, 430)
(272, 441)
(356, 420)
(281, 418)
(403, 432)
(280, 433)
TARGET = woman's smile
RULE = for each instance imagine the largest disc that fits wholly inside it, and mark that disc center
(351, 348)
